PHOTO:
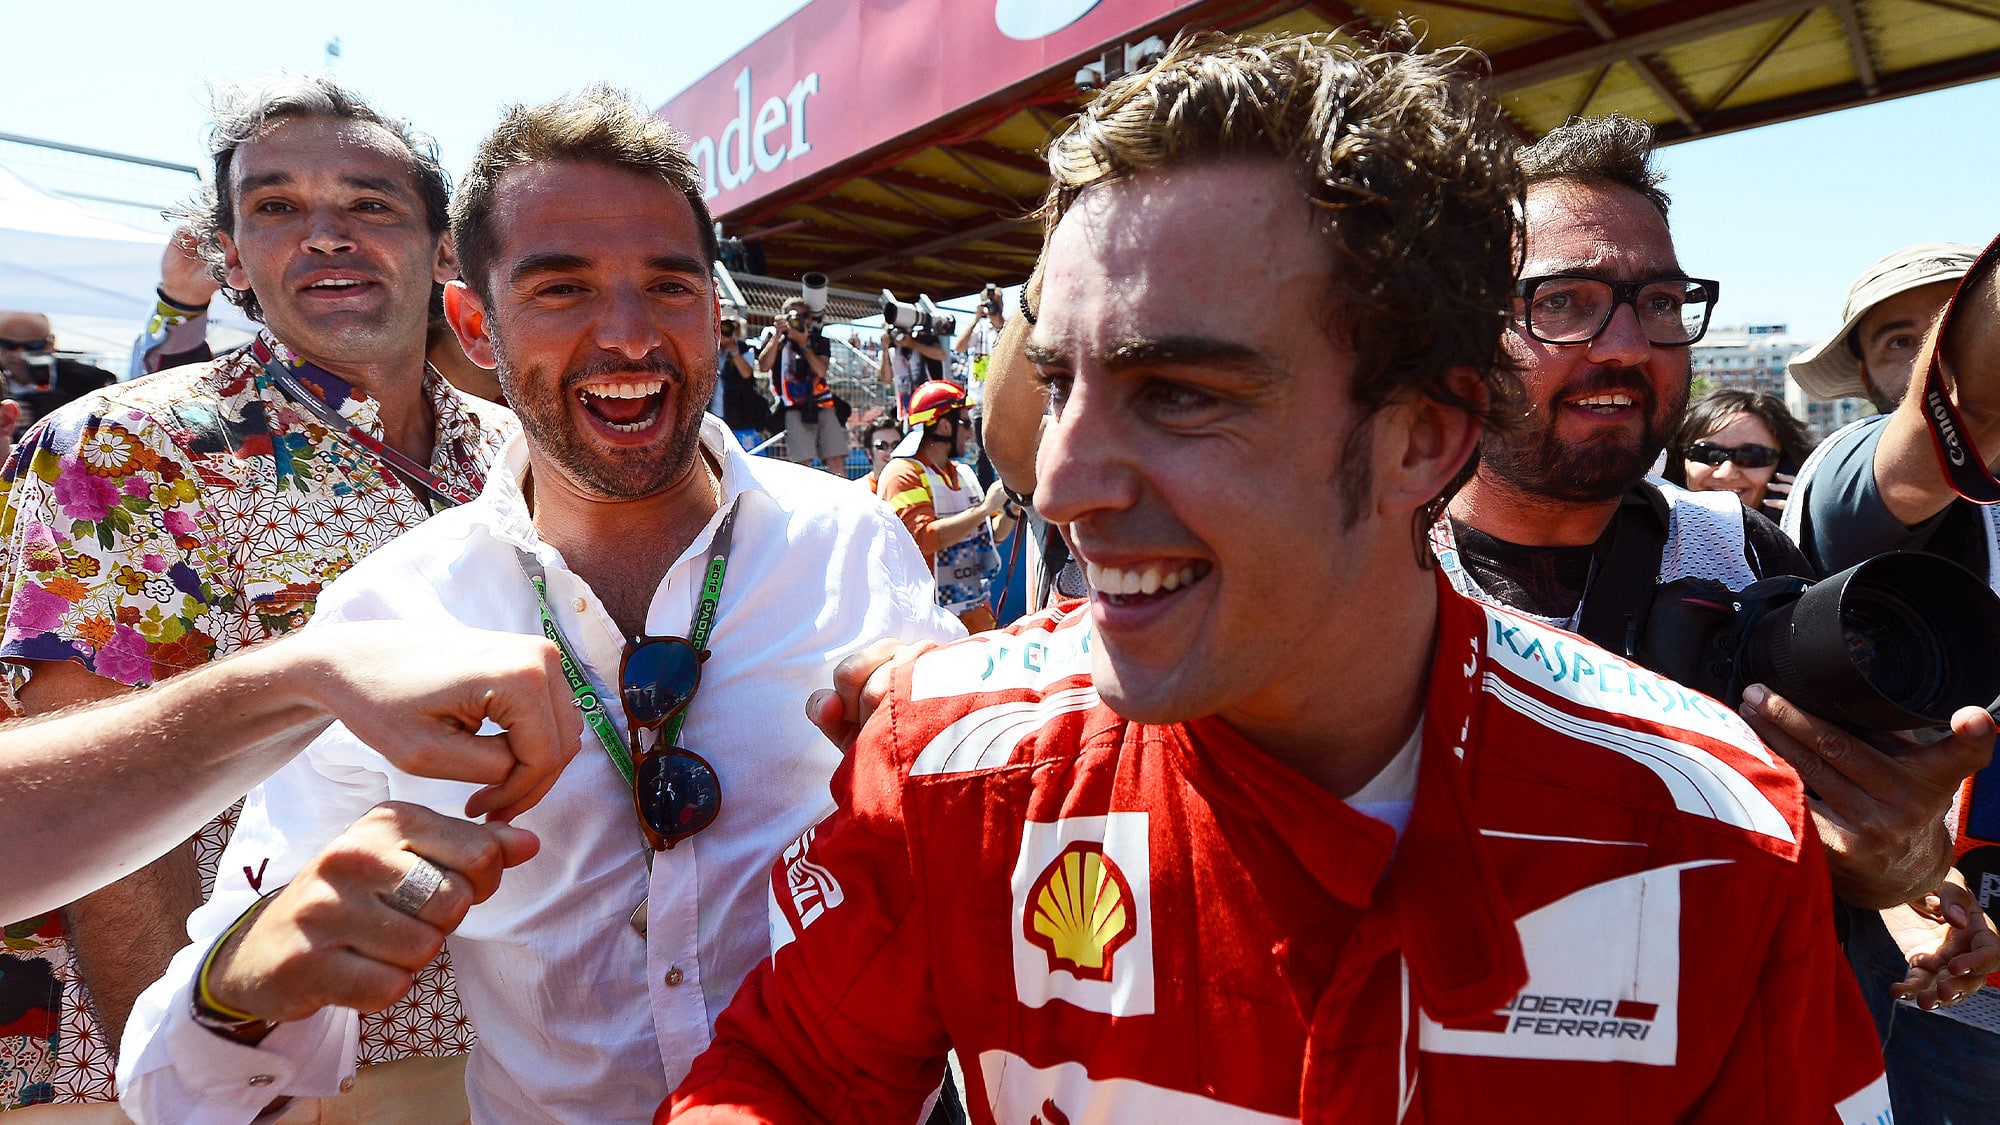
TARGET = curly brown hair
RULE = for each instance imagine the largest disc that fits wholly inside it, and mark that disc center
(1413, 169)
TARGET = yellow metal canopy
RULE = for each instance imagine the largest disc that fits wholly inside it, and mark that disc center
(946, 210)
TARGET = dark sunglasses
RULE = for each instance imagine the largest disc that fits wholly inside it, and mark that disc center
(676, 793)
(885, 446)
(40, 345)
(1745, 456)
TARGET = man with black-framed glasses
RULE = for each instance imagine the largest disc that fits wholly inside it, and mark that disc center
(1560, 520)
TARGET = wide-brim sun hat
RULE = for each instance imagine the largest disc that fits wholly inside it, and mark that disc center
(1830, 369)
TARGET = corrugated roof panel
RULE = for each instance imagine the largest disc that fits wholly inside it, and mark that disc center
(1491, 31)
(1814, 57)
(1907, 35)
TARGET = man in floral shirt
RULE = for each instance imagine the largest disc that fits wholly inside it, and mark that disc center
(158, 525)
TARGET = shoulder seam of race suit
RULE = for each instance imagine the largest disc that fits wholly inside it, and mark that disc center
(1681, 736)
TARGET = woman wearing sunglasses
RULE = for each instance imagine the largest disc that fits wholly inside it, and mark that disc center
(1742, 442)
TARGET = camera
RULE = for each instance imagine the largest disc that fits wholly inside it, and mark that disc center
(728, 329)
(1896, 643)
(904, 317)
(990, 301)
(41, 372)
(812, 290)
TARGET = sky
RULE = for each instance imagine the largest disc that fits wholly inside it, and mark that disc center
(1784, 216)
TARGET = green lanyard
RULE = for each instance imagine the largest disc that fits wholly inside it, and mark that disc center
(580, 686)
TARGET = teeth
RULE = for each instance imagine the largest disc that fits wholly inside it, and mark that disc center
(1605, 400)
(335, 283)
(624, 390)
(1148, 580)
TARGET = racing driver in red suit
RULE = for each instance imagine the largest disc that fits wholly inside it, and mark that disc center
(1277, 826)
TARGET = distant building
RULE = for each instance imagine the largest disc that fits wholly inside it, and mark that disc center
(1746, 358)
(1822, 418)
(1752, 358)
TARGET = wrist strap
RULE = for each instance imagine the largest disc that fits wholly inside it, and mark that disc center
(1958, 457)
(204, 999)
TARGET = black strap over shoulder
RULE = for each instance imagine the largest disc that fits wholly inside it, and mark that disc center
(1620, 597)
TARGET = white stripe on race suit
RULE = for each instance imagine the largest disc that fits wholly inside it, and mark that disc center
(1698, 782)
(986, 738)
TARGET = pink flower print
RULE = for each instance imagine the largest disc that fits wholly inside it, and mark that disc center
(39, 545)
(34, 611)
(85, 497)
(125, 658)
(178, 523)
(153, 563)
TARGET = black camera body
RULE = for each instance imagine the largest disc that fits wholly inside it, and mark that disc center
(1898, 642)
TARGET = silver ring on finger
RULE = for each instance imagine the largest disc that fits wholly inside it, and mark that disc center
(419, 883)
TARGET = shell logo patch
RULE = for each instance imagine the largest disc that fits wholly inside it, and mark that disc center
(1082, 922)
(1081, 912)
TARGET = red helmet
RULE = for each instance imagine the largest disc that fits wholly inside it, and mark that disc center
(933, 400)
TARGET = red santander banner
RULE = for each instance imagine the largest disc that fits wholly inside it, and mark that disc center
(841, 77)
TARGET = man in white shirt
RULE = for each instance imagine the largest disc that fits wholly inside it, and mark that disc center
(592, 973)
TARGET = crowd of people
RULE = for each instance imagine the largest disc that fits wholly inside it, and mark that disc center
(598, 770)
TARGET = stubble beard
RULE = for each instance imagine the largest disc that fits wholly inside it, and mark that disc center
(625, 474)
(1533, 459)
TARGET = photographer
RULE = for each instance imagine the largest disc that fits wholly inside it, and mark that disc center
(38, 379)
(1558, 521)
(910, 358)
(976, 345)
(795, 355)
(737, 401)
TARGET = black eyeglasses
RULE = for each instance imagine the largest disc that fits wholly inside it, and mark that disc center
(39, 345)
(676, 793)
(1745, 456)
(1560, 309)
(886, 446)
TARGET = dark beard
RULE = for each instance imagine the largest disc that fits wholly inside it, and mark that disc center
(1528, 455)
(627, 474)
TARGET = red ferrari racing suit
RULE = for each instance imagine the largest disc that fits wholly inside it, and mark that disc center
(1608, 906)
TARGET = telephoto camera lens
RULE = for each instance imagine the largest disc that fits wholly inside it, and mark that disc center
(1896, 643)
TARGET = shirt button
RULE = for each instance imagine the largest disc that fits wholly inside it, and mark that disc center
(261, 1080)
(577, 605)
(674, 977)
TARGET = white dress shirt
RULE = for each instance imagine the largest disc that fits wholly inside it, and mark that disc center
(579, 1017)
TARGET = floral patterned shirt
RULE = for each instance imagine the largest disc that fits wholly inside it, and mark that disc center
(154, 526)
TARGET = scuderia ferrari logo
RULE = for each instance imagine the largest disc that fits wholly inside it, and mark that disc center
(1082, 914)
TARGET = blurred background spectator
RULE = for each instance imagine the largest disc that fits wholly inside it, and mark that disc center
(38, 379)
(1744, 442)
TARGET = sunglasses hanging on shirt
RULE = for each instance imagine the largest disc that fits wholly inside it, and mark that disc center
(675, 792)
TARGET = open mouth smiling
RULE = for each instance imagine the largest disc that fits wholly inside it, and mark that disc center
(628, 407)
